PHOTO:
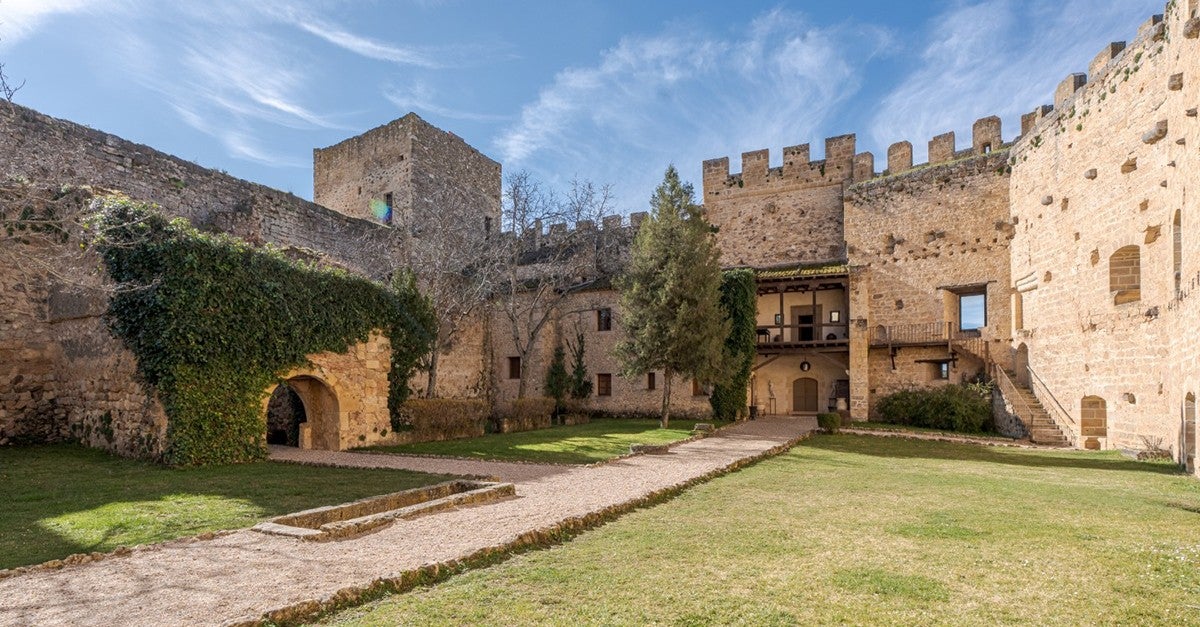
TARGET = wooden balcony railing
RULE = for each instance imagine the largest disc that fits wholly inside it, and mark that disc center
(921, 333)
(803, 334)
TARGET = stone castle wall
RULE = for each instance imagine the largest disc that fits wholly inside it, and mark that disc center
(1108, 167)
(66, 375)
(787, 214)
(40, 148)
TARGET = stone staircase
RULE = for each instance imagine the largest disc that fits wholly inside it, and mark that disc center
(1038, 423)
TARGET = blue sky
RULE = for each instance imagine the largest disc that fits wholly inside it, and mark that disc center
(607, 91)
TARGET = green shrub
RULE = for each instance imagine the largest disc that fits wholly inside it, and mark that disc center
(829, 422)
(949, 408)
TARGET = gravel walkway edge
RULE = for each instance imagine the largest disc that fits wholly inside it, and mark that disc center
(312, 609)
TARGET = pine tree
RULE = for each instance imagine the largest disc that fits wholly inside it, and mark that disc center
(670, 294)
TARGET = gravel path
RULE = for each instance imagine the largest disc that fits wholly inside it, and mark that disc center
(244, 574)
(506, 471)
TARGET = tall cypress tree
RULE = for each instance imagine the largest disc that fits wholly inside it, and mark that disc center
(670, 293)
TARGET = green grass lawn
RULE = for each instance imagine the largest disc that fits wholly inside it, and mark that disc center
(861, 530)
(59, 500)
(595, 441)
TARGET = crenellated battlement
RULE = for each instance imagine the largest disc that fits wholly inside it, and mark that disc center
(841, 164)
(540, 235)
(799, 170)
(1113, 63)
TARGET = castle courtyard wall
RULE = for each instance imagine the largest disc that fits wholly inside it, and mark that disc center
(1107, 169)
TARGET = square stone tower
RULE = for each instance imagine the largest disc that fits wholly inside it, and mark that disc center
(406, 173)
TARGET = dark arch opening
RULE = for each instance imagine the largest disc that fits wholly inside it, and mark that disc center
(285, 412)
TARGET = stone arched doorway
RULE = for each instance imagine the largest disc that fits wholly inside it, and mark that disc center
(1021, 364)
(285, 414)
(303, 411)
(1189, 433)
(804, 395)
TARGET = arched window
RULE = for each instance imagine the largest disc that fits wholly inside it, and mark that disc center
(1093, 420)
(1125, 275)
(1178, 254)
(1189, 433)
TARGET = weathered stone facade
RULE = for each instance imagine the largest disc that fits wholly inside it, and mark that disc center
(1106, 177)
(419, 166)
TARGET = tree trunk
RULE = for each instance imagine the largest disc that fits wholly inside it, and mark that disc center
(666, 402)
(524, 376)
(431, 386)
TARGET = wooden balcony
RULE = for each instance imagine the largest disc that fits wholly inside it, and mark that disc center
(795, 338)
(930, 334)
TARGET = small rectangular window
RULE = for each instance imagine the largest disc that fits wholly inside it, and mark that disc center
(943, 371)
(604, 384)
(389, 207)
(487, 226)
(514, 367)
(972, 311)
(604, 319)
(699, 389)
(651, 381)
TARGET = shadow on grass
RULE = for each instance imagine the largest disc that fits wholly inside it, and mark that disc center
(902, 448)
(64, 499)
(596, 441)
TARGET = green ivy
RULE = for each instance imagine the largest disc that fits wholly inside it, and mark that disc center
(739, 298)
(215, 321)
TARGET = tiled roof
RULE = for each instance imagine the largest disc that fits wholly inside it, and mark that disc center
(801, 271)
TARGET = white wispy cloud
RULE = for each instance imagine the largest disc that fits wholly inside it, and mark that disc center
(998, 57)
(248, 79)
(419, 96)
(21, 18)
(684, 95)
(367, 47)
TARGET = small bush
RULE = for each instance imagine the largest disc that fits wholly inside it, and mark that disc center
(829, 422)
(949, 408)
(526, 414)
(433, 419)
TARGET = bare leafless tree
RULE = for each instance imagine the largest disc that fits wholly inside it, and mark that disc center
(7, 88)
(444, 252)
(44, 233)
(541, 270)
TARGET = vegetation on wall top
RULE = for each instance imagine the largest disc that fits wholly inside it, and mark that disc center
(214, 321)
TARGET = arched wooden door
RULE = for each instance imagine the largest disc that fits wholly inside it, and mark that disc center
(804, 395)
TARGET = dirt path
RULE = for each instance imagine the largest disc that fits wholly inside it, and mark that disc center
(244, 574)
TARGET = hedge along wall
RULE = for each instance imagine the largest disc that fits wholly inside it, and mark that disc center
(215, 321)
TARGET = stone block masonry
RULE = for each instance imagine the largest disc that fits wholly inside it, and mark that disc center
(1105, 275)
(40, 148)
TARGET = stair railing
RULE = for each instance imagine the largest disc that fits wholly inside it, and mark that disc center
(1063, 418)
(1010, 392)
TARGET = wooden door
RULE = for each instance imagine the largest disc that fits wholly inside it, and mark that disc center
(804, 395)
